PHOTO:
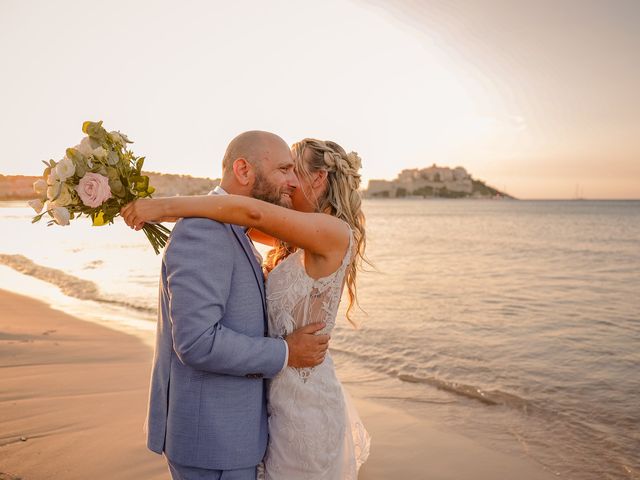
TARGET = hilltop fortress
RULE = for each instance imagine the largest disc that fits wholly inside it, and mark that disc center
(433, 181)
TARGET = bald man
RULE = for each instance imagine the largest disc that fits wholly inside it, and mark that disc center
(207, 404)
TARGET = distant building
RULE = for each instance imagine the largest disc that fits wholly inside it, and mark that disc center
(432, 181)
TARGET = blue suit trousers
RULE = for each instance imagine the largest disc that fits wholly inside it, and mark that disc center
(183, 472)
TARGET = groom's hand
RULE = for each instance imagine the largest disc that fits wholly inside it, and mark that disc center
(305, 348)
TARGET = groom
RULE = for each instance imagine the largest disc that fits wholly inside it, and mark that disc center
(207, 405)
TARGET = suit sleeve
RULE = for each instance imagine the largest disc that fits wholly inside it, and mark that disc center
(198, 265)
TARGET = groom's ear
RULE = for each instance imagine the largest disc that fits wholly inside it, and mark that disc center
(243, 171)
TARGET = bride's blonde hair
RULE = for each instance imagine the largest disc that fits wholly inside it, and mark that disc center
(341, 199)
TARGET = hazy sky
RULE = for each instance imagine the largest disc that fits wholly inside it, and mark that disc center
(535, 97)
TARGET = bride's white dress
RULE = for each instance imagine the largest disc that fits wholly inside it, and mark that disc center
(314, 431)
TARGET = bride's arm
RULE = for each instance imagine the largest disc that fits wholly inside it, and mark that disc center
(317, 233)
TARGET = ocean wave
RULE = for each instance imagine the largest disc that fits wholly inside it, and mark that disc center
(488, 397)
(567, 427)
(68, 284)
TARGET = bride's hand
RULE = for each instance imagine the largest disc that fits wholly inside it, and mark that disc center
(144, 210)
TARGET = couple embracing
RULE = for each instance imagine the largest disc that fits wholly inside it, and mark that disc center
(242, 382)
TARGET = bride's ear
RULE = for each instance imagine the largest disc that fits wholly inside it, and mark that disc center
(319, 178)
(243, 171)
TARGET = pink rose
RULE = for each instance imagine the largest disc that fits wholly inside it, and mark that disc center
(93, 189)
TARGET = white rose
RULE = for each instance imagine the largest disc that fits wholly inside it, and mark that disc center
(100, 153)
(61, 215)
(65, 169)
(59, 194)
(53, 190)
(64, 197)
(36, 204)
(117, 138)
(40, 187)
(86, 146)
(52, 178)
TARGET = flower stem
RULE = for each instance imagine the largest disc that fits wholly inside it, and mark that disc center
(157, 235)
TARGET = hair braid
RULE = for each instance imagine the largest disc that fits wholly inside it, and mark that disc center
(341, 199)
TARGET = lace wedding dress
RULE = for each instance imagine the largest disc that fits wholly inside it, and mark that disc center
(314, 431)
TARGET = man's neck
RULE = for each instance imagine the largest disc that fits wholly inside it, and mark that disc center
(233, 188)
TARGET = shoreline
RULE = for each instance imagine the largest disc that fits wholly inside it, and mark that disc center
(76, 392)
(73, 398)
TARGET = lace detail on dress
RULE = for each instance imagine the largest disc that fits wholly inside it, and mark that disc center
(294, 299)
(314, 431)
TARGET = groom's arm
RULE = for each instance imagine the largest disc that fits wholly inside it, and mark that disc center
(199, 265)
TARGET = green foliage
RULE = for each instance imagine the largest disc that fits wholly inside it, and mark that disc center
(424, 191)
(105, 154)
(444, 192)
(95, 131)
(482, 188)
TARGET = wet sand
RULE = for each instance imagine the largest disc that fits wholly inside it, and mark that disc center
(73, 402)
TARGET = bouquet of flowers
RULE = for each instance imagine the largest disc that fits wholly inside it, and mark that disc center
(95, 178)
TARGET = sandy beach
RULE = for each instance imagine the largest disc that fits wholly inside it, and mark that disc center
(73, 397)
(73, 402)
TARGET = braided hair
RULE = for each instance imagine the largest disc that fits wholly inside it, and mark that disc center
(341, 199)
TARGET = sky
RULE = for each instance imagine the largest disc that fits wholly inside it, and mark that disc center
(540, 99)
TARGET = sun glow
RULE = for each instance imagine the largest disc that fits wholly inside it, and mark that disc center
(185, 81)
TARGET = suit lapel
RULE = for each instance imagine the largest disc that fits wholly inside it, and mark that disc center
(257, 269)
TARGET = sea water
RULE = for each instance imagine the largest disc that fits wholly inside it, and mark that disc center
(514, 322)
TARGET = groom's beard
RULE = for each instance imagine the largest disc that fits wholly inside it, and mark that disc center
(266, 191)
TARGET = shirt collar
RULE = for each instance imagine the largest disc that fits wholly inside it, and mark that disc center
(221, 191)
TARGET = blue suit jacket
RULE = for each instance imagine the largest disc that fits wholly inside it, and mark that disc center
(207, 405)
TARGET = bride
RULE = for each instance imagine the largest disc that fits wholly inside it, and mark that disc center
(314, 432)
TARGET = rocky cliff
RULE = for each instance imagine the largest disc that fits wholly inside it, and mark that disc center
(433, 182)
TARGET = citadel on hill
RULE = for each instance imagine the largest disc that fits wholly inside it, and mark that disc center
(432, 182)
